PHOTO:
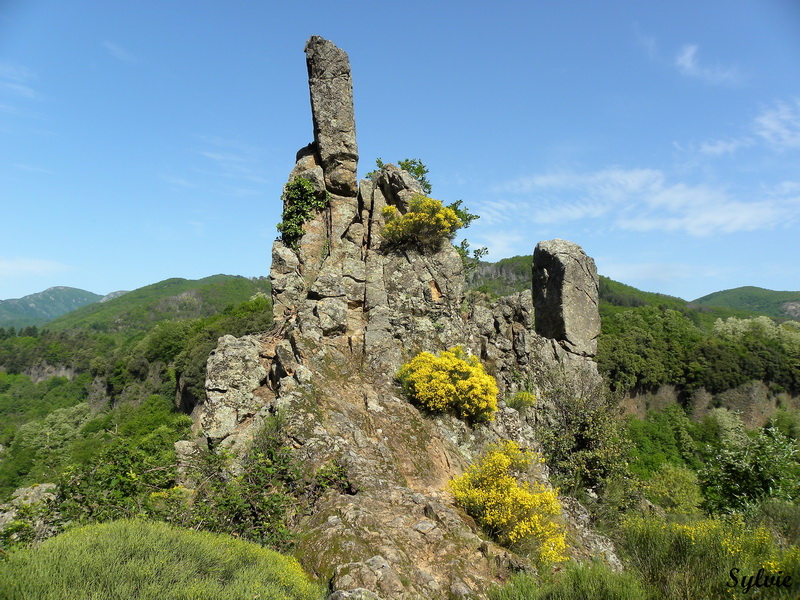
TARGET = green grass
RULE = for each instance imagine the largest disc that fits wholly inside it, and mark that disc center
(138, 560)
(578, 581)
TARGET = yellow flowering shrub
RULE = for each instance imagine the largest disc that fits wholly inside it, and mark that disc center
(427, 222)
(450, 382)
(694, 559)
(512, 511)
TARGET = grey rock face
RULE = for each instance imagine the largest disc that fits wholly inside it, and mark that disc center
(331, 89)
(566, 292)
(33, 496)
(234, 372)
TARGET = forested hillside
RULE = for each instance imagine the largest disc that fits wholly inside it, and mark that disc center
(779, 305)
(124, 356)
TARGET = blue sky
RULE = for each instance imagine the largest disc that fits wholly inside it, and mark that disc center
(150, 139)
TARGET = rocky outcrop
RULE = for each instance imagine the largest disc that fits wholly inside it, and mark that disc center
(349, 310)
(33, 498)
(565, 296)
(44, 371)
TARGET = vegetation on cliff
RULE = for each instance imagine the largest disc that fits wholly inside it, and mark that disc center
(452, 382)
(513, 511)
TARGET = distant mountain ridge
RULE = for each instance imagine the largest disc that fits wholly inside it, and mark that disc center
(174, 298)
(41, 307)
(780, 305)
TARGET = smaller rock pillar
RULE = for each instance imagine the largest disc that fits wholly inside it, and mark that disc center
(566, 293)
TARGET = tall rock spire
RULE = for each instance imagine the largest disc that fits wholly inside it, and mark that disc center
(331, 88)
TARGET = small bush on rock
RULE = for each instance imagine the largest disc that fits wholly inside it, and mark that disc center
(301, 201)
(521, 400)
(513, 511)
(427, 222)
(451, 382)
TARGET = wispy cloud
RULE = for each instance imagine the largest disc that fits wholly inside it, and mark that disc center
(779, 125)
(121, 53)
(16, 80)
(728, 146)
(226, 166)
(776, 126)
(500, 243)
(19, 89)
(664, 272)
(638, 200)
(647, 42)
(686, 62)
(33, 169)
(17, 267)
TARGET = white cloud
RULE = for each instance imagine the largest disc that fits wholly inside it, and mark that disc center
(779, 125)
(15, 81)
(120, 53)
(729, 146)
(500, 243)
(687, 64)
(19, 89)
(665, 272)
(638, 200)
(17, 267)
(648, 44)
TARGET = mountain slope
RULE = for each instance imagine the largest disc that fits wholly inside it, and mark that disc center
(174, 298)
(39, 308)
(781, 305)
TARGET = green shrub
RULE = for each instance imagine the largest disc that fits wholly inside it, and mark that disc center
(521, 400)
(578, 581)
(256, 504)
(450, 382)
(780, 517)
(675, 489)
(749, 469)
(426, 223)
(128, 560)
(580, 430)
(513, 511)
(300, 202)
(694, 560)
